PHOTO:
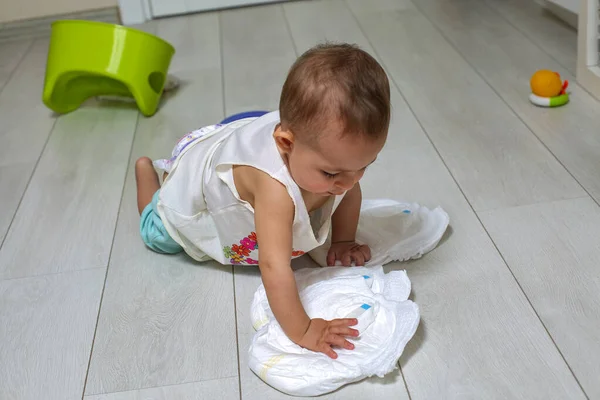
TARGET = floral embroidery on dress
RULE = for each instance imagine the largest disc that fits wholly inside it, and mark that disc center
(236, 259)
(239, 253)
(240, 250)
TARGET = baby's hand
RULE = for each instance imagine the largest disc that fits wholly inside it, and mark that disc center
(347, 252)
(321, 335)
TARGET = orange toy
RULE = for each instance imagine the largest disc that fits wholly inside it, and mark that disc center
(545, 83)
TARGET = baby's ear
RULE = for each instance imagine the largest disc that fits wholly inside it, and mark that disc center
(284, 139)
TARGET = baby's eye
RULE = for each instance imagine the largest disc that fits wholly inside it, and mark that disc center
(329, 175)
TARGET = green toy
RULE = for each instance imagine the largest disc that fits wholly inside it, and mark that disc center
(88, 58)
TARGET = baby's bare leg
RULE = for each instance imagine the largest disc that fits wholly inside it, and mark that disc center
(147, 182)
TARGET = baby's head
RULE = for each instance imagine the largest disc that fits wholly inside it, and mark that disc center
(335, 114)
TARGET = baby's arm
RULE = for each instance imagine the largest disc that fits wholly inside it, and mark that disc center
(274, 217)
(343, 236)
(345, 219)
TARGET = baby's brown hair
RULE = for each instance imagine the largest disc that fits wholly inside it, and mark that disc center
(338, 81)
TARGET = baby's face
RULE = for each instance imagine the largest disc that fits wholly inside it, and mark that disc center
(334, 164)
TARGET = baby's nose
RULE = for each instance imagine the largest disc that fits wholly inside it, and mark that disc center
(346, 183)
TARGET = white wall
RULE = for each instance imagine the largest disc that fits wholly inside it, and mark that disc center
(15, 10)
(571, 5)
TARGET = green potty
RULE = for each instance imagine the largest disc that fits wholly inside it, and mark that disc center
(88, 58)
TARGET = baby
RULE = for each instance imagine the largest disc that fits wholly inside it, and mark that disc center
(264, 190)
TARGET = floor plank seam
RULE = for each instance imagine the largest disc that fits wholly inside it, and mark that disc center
(536, 203)
(222, 57)
(481, 222)
(158, 387)
(37, 162)
(33, 41)
(237, 336)
(12, 73)
(289, 30)
(404, 380)
(112, 246)
(532, 40)
(514, 112)
(50, 274)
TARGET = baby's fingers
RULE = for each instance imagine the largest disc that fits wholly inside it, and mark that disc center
(347, 259)
(339, 341)
(331, 257)
(343, 322)
(366, 251)
(359, 258)
(342, 330)
(326, 349)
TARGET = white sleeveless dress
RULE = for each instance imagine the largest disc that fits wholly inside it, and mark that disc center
(199, 204)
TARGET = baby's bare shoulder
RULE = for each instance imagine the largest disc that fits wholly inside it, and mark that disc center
(253, 184)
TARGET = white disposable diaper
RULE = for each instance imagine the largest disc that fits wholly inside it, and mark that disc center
(386, 322)
(387, 319)
(394, 231)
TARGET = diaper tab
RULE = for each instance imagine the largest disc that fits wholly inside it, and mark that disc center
(365, 316)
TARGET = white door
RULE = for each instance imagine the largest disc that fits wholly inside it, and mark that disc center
(161, 8)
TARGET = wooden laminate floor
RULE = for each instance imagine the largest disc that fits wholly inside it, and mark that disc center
(510, 300)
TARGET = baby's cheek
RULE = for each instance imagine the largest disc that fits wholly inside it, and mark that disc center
(316, 184)
(323, 182)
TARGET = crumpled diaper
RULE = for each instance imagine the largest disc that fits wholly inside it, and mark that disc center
(386, 322)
